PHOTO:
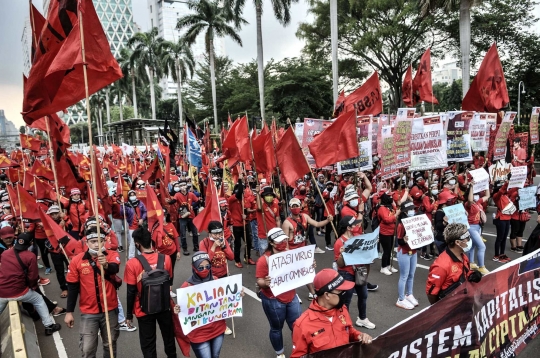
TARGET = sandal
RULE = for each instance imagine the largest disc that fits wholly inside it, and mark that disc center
(64, 294)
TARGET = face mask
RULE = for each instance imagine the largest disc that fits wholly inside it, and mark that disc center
(133, 198)
(476, 197)
(95, 252)
(410, 213)
(341, 301)
(452, 182)
(329, 188)
(252, 185)
(75, 200)
(302, 192)
(177, 189)
(269, 199)
(435, 192)
(203, 273)
(223, 212)
(468, 247)
(353, 203)
(105, 172)
(296, 211)
(281, 246)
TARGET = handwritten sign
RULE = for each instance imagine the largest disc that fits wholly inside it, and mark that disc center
(456, 214)
(209, 302)
(481, 180)
(533, 125)
(527, 197)
(361, 249)
(419, 231)
(499, 170)
(291, 269)
(519, 175)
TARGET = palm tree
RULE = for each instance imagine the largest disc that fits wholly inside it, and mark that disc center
(282, 12)
(464, 7)
(212, 18)
(177, 61)
(146, 54)
(121, 89)
(129, 69)
(98, 100)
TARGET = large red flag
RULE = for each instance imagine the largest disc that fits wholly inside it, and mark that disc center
(488, 92)
(29, 209)
(166, 155)
(291, 158)
(54, 122)
(57, 235)
(211, 210)
(29, 142)
(56, 79)
(367, 98)
(154, 216)
(236, 144)
(5, 162)
(37, 21)
(263, 152)
(67, 175)
(43, 191)
(28, 183)
(407, 88)
(41, 170)
(337, 142)
(153, 172)
(422, 88)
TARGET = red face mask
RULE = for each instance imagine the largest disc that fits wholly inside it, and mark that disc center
(296, 211)
(281, 246)
(203, 273)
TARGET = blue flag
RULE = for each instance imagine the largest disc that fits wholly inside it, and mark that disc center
(193, 150)
(361, 249)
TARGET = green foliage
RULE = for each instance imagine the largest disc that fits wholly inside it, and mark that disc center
(127, 111)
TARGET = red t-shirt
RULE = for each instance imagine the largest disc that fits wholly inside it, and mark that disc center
(261, 271)
(169, 243)
(400, 235)
(186, 200)
(81, 271)
(300, 232)
(337, 246)
(133, 276)
(387, 220)
(235, 207)
(473, 211)
(271, 212)
(218, 258)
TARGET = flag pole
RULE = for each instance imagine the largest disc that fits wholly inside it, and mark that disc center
(94, 176)
(259, 201)
(315, 181)
(20, 207)
(281, 190)
(53, 165)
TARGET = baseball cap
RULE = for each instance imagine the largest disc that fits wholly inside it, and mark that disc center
(407, 205)
(276, 235)
(328, 280)
(215, 227)
(53, 209)
(295, 201)
(348, 220)
(267, 190)
(75, 191)
(7, 231)
(23, 241)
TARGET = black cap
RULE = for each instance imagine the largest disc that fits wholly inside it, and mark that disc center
(348, 221)
(215, 227)
(407, 205)
(267, 190)
(23, 241)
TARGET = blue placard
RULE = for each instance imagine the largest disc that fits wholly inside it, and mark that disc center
(361, 249)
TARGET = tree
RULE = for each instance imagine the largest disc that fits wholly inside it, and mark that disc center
(129, 69)
(127, 112)
(213, 19)
(97, 101)
(177, 61)
(147, 54)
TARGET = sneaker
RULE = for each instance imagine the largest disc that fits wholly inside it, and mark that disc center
(386, 271)
(120, 248)
(281, 355)
(319, 233)
(364, 323)
(126, 327)
(406, 305)
(59, 313)
(238, 264)
(514, 249)
(392, 269)
(40, 265)
(474, 266)
(484, 240)
(504, 259)
(426, 256)
(250, 262)
(48, 271)
(52, 328)
(228, 331)
(519, 249)
(173, 295)
(329, 248)
(44, 282)
(371, 287)
(186, 252)
(483, 270)
(311, 296)
(413, 301)
(319, 251)
(496, 258)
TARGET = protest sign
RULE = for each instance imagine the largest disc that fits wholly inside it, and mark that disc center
(456, 214)
(428, 144)
(519, 175)
(499, 150)
(478, 132)
(299, 131)
(419, 231)
(499, 170)
(491, 125)
(388, 160)
(361, 249)
(365, 160)
(291, 269)
(402, 137)
(374, 134)
(481, 180)
(527, 197)
(533, 125)
(209, 302)
(458, 136)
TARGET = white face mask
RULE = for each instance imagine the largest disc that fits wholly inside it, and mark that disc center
(353, 202)
(95, 252)
(410, 213)
(435, 192)
(452, 182)
(132, 198)
(468, 247)
(476, 197)
(177, 189)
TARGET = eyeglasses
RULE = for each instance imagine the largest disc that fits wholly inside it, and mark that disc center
(342, 293)
(202, 268)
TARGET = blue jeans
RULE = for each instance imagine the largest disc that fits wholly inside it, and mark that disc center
(361, 292)
(277, 313)
(407, 268)
(263, 245)
(34, 299)
(477, 244)
(254, 228)
(208, 349)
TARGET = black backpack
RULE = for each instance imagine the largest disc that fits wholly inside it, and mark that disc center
(156, 287)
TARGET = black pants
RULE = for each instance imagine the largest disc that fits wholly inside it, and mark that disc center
(58, 262)
(503, 227)
(386, 244)
(328, 232)
(184, 225)
(44, 252)
(147, 334)
(173, 262)
(238, 232)
(516, 228)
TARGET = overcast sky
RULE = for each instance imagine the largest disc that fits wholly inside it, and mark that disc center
(279, 42)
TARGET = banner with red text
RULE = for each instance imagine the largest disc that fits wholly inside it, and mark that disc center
(458, 136)
(402, 137)
(428, 144)
(533, 125)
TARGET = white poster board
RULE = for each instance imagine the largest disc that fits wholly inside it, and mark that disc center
(519, 175)
(291, 269)
(419, 231)
(481, 180)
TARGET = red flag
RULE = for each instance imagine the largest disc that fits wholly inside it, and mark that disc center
(43, 191)
(211, 210)
(181, 338)
(236, 145)
(37, 21)
(28, 183)
(57, 235)
(259, 152)
(407, 88)
(5, 162)
(67, 175)
(54, 122)
(340, 104)
(153, 172)
(229, 121)
(422, 88)
(488, 92)
(29, 142)
(290, 158)
(337, 142)
(56, 79)
(42, 171)
(165, 154)
(154, 216)
(29, 208)
(368, 97)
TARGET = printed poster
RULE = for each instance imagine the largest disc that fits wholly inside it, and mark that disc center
(456, 214)
(499, 151)
(519, 175)
(419, 231)
(387, 157)
(533, 125)
(478, 133)
(458, 136)
(365, 160)
(402, 137)
(428, 144)
(361, 249)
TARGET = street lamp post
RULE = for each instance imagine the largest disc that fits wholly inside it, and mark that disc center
(521, 84)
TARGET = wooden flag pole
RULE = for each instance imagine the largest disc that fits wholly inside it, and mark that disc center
(257, 196)
(53, 165)
(94, 178)
(283, 193)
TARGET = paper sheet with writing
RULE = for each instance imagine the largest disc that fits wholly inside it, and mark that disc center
(527, 197)
(519, 175)
(361, 249)
(419, 231)
(209, 302)
(456, 214)
(481, 180)
(291, 269)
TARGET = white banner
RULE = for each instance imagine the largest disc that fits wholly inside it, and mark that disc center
(478, 132)
(481, 180)
(519, 175)
(428, 144)
(209, 302)
(527, 197)
(419, 231)
(291, 269)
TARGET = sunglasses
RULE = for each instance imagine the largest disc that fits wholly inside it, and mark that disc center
(202, 268)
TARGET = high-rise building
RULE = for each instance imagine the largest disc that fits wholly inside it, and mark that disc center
(9, 135)
(26, 41)
(447, 73)
(164, 15)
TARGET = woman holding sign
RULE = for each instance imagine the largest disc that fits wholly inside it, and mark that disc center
(407, 260)
(476, 216)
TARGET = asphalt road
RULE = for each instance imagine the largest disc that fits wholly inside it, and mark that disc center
(252, 329)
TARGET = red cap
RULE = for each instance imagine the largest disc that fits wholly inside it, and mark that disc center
(328, 280)
(7, 231)
(415, 192)
(445, 195)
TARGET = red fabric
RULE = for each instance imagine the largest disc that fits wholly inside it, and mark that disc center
(12, 283)
(5, 162)
(80, 271)
(66, 176)
(211, 210)
(262, 271)
(181, 338)
(444, 272)
(407, 88)
(329, 204)
(340, 104)
(154, 215)
(422, 87)
(235, 207)
(218, 258)
(165, 154)
(55, 234)
(236, 144)
(187, 199)
(172, 234)
(37, 21)
(473, 211)
(271, 212)
(337, 247)
(290, 158)
(56, 79)
(54, 122)
(263, 152)
(43, 191)
(300, 232)
(488, 92)
(29, 142)
(400, 235)
(387, 220)
(367, 98)
(133, 276)
(501, 199)
(153, 172)
(78, 214)
(29, 209)
(337, 142)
